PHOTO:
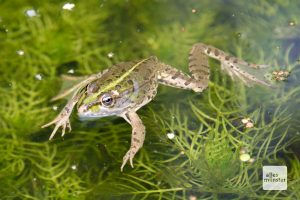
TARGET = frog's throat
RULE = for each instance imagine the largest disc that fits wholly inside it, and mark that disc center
(113, 83)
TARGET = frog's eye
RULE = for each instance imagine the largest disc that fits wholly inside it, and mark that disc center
(107, 100)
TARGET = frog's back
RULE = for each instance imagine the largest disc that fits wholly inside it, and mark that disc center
(134, 80)
(143, 78)
(138, 69)
(133, 70)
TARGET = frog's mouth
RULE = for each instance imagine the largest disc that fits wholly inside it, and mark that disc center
(89, 111)
(95, 111)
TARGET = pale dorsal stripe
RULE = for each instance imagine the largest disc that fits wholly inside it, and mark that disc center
(114, 83)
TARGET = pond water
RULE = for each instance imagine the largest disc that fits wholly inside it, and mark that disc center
(209, 145)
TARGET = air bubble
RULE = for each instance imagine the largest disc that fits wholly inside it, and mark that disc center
(74, 167)
(31, 13)
(71, 71)
(3, 29)
(68, 6)
(292, 23)
(20, 52)
(171, 136)
(110, 54)
(38, 77)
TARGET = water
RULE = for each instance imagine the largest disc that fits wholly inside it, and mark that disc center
(198, 146)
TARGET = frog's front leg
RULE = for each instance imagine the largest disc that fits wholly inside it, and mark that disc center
(137, 136)
(62, 120)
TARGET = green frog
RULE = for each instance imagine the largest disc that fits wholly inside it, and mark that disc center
(126, 87)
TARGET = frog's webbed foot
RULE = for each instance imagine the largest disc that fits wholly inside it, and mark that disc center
(137, 137)
(62, 120)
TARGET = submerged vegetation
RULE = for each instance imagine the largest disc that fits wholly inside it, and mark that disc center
(40, 41)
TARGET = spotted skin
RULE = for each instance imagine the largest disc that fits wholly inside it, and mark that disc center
(137, 136)
(126, 87)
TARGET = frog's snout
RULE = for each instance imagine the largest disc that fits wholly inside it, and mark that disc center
(82, 109)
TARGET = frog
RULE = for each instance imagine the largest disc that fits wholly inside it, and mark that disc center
(124, 88)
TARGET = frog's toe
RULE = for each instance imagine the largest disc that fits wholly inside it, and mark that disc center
(69, 126)
(53, 132)
(131, 160)
(128, 156)
(125, 159)
(49, 123)
(261, 66)
(63, 131)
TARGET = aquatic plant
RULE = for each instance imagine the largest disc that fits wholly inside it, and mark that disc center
(41, 41)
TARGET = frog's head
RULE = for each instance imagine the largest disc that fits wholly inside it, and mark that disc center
(100, 105)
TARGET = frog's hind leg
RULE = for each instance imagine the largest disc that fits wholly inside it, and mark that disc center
(248, 73)
(175, 78)
(199, 68)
